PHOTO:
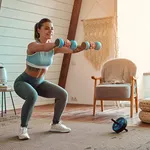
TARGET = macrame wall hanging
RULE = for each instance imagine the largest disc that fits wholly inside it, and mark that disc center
(105, 31)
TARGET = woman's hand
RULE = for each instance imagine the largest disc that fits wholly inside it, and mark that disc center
(67, 43)
(92, 45)
(65, 49)
(80, 48)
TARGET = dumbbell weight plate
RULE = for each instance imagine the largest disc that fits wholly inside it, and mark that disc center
(84, 45)
(59, 42)
(98, 45)
(73, 44)
(87, 45)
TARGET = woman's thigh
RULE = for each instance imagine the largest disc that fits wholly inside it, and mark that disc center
(24, 90)
(51, 90)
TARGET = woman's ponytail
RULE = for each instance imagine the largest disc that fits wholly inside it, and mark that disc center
(36, 34)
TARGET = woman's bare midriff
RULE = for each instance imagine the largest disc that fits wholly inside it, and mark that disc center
(35, 72)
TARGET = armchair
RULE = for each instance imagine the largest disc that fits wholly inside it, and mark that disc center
(117, 83)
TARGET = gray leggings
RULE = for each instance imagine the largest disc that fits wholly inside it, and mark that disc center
(28, 88)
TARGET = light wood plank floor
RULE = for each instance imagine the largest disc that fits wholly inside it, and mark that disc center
(83, 113)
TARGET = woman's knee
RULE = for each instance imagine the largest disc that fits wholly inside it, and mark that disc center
(64, 95)
(32, 97)
(25, 91)
(18, 87)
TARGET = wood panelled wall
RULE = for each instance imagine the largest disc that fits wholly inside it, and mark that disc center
(17, 20)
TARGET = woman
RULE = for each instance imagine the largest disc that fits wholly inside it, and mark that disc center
(31, 84)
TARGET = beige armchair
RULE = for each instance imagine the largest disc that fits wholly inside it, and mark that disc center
(117, 83)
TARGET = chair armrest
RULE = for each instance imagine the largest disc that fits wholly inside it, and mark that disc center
(133, 78)
(97, 78)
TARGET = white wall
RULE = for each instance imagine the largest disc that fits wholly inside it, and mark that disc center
(79, 83)
(17, 19)
(134, 31)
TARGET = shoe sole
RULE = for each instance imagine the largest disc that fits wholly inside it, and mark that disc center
(24, 138)
(54, 131)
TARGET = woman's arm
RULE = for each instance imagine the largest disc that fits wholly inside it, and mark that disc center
(63, 50)
(37, 47)
(68, 50)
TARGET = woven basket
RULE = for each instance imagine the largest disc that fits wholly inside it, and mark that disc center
(144, 116)
(144, 105)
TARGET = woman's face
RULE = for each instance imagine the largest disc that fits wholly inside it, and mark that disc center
(46, 31)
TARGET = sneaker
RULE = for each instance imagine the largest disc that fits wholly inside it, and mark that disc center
(59, 128)
(23, 135)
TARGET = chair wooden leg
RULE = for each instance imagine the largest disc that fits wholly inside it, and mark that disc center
(102, 105)
(5, 102)
(2, 105)
(94, 106)
(13, 103)
(131, 107)
(136, 104)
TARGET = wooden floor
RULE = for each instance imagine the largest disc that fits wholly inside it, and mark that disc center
(83, 113)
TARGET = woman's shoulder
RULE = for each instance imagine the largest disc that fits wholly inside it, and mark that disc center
(30, 46)
(33, 42)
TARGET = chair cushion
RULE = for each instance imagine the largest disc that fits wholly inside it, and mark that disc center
(113, 91)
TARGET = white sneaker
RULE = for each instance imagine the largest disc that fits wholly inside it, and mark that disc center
(59, 128)
(23, 135)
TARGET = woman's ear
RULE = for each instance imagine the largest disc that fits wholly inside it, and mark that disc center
(38, 30)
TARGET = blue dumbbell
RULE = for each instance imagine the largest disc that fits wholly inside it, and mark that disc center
(60, 43)
(73, 44)
(87, 45)
(98, 45)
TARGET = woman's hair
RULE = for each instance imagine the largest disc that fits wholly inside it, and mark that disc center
(38, 25)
